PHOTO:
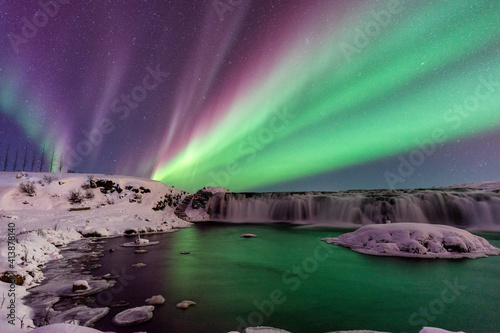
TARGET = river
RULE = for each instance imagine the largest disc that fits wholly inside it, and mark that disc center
(288, 278)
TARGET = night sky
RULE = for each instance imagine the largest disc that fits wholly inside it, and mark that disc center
(262, 95)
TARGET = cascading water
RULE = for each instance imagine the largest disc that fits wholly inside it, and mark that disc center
(466, 208)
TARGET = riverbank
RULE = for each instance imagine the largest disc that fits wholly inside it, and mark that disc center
(41, 213)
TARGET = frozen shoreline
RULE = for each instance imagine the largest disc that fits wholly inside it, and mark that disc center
(39, 225)
(47, 222)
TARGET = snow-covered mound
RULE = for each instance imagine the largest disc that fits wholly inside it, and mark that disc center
(98, 205)
(415, 240)
(60, 208)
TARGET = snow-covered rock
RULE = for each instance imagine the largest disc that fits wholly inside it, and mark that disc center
(139, 265)
(185, 304)
(80, 285)
(134, 316)
(264, 329)
(155, 300)
(248, 235)
(139, 242)
(415, 240)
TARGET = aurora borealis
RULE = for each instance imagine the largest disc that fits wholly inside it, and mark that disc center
(257, 95)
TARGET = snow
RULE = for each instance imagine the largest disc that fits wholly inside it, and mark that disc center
(264, 329)
(50, 207)
(65, 328)
(43, 223)
(415, 240)
(96, 232)
(215, 189)
(134, 316)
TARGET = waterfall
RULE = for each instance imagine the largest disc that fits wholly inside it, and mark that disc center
(466, 208)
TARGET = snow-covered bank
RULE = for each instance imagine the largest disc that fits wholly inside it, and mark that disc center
(42, 212)
(415, 240)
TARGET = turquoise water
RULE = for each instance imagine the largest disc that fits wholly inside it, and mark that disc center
(288, 278)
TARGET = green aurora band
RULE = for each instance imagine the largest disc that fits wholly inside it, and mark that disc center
(424, 73)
